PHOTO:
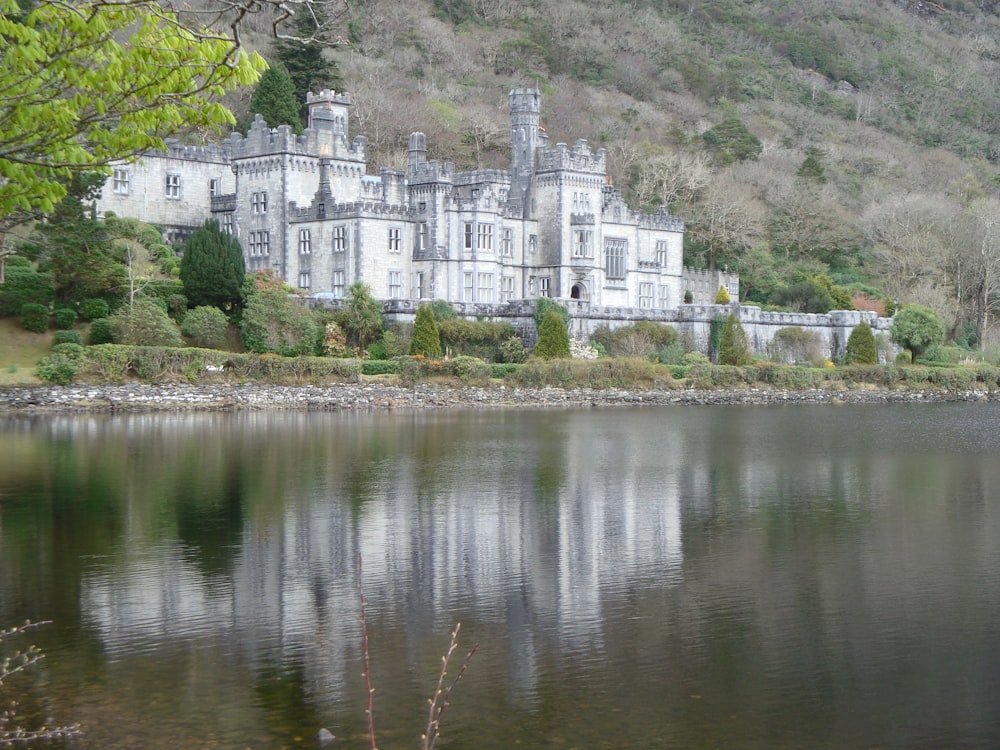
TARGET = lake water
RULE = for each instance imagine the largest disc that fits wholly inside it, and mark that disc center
(722, 577)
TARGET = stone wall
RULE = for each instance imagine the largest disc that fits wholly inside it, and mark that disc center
(693, 322)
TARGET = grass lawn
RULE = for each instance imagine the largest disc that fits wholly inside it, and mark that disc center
(20, 351)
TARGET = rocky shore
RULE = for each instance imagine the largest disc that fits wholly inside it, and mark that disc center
(372, 395)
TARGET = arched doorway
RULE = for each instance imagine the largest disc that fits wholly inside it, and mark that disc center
(579, 291)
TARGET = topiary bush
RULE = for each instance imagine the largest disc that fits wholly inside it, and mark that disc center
(553, 339)
(65, 317)
(206, 327)
(861, 346)
(100, 332)
(543, 305)
(733, 347)
(144, 323)
(57, 369)
(722, 296)
(35, 317)
(23, 285)
(93, 308)
(67, 337)
(426, 340)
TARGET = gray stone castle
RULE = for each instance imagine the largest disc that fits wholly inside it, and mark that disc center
(305, 208)
(488, 241)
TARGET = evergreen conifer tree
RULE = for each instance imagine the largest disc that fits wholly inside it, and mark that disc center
(425, 340)
(553, 338)
(861, 346)
(307, 66)
(274, 99)
(212, 269)
(734, 348)
(722, 297)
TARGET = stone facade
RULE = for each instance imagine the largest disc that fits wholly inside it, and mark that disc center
(305, 208)
(488, 241)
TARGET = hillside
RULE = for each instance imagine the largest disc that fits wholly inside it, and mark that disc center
(815, 146)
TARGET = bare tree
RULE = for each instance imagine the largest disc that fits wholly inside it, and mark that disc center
(727, 219)
(977, 266)
(908, 236)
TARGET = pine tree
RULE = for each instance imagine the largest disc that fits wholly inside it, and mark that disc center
(425, 340)
(212, 269)
(309, 69)
(553, 338)
(861, 346)
(734, 348)
(274, 99)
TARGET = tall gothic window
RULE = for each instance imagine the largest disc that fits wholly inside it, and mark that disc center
(614, 258)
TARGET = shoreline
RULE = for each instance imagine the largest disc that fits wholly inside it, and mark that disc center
(133, 398)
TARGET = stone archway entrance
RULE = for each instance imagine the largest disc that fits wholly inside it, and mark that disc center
(579, 291)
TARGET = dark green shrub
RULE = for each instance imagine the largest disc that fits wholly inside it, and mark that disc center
(144, 323)
(504, 369)
(206, 327)
(35, 317)
(100, 332)
(715, 327)
(67, 337)
(163, 290)
(443, 310)
(543, 305)
(212, 269)
(58, 368)
(861, 346)
(425, 339)
(23, 285)
(70, 349)
(553, 339)
(65, 317)
(93, 308)
(379, 367)
(916, 329)
(733, 346)
(177, 305)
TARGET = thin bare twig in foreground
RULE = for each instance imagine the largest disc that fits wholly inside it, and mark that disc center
(364, 651)
(442, 696)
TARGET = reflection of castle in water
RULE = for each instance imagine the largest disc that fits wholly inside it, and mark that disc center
(536, 544)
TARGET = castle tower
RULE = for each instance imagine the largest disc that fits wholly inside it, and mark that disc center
(328, 111)
(525, 107)
(417, 152)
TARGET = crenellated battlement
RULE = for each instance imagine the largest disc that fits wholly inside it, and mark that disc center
(177, 150)
(577, 159)
(430, 171)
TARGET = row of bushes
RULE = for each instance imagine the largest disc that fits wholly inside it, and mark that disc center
(112, 363)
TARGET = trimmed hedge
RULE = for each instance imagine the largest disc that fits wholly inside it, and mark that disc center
(34, 317)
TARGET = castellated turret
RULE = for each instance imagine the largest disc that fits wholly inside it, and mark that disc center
(328, 111)
(525, 109)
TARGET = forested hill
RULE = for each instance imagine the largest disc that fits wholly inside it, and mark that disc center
(817, 145)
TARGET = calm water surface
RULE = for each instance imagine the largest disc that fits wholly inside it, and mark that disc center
(806, 577)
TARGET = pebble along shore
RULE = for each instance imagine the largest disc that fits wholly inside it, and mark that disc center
(254, 397)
